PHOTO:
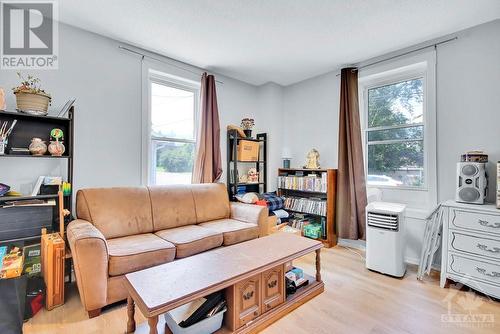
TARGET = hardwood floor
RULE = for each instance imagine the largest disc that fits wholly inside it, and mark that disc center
(355, 301)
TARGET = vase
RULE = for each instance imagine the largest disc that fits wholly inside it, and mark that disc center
(248, 133)
(56, 148)
(37, 147)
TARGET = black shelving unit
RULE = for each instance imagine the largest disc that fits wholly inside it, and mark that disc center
(31, 126)
(233, 163)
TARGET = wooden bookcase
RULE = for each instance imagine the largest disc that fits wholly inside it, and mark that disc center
(233, 164)
(329, 196)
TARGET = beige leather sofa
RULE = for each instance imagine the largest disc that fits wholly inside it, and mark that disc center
(121, 230)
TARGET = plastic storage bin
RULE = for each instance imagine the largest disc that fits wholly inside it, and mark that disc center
(205, 326)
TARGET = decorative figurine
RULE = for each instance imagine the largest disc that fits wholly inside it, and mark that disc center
(312, 159)
(243, 178)
(56, 148)
(247, 124)
(253, 175)
(37, 147)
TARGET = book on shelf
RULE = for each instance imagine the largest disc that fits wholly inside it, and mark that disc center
(313, 206)
(310, 226)
(311, 182)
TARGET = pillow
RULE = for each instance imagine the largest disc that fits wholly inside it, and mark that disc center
(249, 198)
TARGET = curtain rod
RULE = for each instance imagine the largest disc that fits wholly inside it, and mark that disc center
(163, 61)
(405, 53)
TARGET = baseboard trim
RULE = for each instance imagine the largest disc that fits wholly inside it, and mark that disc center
(356, 244)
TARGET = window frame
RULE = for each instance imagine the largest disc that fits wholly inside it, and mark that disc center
(386, 81)
(422, 63)
(161, 78)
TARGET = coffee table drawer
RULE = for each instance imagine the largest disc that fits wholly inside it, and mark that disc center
(273, 288)
(247, 298)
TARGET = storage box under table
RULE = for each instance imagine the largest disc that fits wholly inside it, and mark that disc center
(208, 325)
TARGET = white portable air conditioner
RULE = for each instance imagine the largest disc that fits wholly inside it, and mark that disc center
(385, 238)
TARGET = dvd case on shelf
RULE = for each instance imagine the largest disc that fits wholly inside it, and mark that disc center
(312, 182)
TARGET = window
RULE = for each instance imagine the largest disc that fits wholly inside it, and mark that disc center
(172, 119)
(394, 133)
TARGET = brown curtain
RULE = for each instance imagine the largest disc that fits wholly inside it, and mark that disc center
(208, 163)
(351, 187)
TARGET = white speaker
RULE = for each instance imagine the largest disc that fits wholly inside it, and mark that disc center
(472, 182)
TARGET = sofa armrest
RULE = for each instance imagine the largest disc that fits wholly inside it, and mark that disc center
(250, 213)
(90, 259)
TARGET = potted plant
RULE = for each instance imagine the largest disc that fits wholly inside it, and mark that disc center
(247, 124)
(30, 98)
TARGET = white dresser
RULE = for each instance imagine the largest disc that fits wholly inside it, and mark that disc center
(471, 246)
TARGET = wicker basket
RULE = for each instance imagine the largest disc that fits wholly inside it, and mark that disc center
(31, 103)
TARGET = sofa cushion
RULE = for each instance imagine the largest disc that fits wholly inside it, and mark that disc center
(192, 239)
(234, 231)
(116, 212)
(136, 252)
(211, 201)
(172, 206)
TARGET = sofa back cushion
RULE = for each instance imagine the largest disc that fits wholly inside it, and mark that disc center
(173, 206)
(116, 212)
(211, 201)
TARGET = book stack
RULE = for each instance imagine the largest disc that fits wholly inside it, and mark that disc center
(313, 182)
(306, 205)
(296, 277)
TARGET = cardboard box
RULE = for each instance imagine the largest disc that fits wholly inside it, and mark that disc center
(248, 150)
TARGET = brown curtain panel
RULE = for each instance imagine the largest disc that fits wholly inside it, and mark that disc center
(351, 186)
(208, 164)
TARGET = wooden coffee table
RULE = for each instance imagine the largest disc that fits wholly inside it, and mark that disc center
(251, 273)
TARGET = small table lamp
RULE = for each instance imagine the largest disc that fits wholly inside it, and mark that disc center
(286, 156)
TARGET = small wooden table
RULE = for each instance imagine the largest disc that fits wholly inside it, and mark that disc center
(162, 288)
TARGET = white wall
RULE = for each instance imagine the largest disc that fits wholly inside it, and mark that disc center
(468, 102)
(468, 115)
(311, 119)
(106, 82)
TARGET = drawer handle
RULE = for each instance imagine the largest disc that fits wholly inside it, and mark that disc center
(493, 274)
(248, 295)
(272, 284)
(487, 224)
(486, 249)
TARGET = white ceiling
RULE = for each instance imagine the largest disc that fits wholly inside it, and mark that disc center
(283, 41)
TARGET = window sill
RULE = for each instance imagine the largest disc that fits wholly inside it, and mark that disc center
(399, 188)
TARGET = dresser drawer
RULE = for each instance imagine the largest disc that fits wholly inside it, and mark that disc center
(476, 221)
(474, 269)
(473, 244)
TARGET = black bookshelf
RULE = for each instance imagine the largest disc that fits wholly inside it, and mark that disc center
(233, 163)
(33, 126)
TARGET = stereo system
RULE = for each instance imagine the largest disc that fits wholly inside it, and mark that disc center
(472, 182)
